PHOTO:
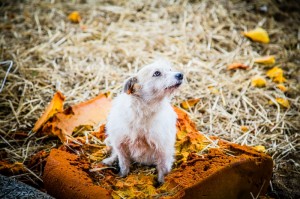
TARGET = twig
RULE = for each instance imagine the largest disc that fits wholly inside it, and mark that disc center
(6, 74)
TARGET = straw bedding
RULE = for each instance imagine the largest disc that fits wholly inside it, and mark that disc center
(115, 38)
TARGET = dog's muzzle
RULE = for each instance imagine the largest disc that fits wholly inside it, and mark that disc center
(179, 78)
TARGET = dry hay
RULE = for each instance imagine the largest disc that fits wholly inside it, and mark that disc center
(116, 38)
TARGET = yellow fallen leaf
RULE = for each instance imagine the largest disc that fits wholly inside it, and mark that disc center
(74, 17)
(213, 90)
(279, 79)
(189, 103)
(283, 102)
(258, 34)
(244, 128)
(258, 82)
(234, 66)
(260, 148)
(282, 87)
(276, 74)
(268, 60)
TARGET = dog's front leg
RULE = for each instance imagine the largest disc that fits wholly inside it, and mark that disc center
(164, 165)
(110, 160)
(124, 160)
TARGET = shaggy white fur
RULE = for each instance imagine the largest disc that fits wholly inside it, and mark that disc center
(141, 126)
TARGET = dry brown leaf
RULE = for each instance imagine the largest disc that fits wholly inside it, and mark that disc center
(235, 66)
(268, 60)
(10, 169)
(87, 113)
(74, 17)
(258, 82)
(258, 34)
(55, 106)
(37, 158)
(189, 103)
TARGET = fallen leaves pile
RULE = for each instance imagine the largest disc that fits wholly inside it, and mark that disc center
(79, 137)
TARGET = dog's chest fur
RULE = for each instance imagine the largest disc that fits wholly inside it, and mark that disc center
(140, 140)
(141, 150)
(141, 129)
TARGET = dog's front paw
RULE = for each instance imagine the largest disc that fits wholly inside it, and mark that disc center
(124, 172)
(162, 170)
(108, 161)
(161, 178)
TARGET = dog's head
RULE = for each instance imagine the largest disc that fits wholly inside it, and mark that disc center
(154, 81)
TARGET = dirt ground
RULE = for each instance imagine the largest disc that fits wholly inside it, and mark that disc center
(115, 38)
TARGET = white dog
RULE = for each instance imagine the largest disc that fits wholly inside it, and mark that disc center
(141, 126)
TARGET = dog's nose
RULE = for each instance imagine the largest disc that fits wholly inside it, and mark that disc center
(179, 76)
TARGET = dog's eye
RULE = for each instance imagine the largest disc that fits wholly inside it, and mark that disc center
(156, 74)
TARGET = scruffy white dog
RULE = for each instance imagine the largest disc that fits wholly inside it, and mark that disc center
(141, 126)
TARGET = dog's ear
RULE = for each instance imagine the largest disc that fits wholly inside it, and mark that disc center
(131, 85)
